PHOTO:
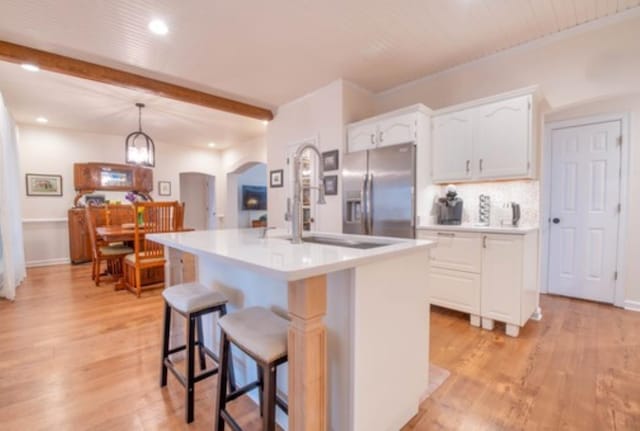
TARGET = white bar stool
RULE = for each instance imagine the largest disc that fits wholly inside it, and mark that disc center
(191, 300)
(262, 335)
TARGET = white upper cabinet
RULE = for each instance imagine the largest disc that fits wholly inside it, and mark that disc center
(502, 139)
(362, 137)
(452, 147)
(397, 130)
(403, 126)
(484, 141)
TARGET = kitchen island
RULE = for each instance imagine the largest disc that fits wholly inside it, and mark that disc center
(359, 313)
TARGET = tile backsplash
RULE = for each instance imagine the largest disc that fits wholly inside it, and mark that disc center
(502, 193)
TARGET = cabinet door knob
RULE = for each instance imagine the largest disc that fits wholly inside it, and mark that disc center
(484, 241)
(373, 139)
(468, 168)
(555, 220)
(481, 165)
(380, 136)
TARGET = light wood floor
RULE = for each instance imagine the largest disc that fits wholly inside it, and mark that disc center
(78, 357)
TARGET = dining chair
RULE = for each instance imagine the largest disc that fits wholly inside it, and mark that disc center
(118, 214)
(179, 218)
(112, 254)
(156, 217)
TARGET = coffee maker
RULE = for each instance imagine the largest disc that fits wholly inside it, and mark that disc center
(449, 208)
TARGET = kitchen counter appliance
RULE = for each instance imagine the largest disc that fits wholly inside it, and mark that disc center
(449, 208)
(379, 191)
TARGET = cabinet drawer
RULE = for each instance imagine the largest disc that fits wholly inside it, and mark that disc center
(461, 251)
(456, 290)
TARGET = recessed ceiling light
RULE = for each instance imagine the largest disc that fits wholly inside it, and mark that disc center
(265, 122)
(211, 144)
(157, 26)
(30, 67)
(42, 120)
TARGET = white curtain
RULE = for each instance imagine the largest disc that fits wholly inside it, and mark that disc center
(12, 267)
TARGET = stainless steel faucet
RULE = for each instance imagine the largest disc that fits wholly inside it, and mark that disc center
(296, 210)
(265, 230)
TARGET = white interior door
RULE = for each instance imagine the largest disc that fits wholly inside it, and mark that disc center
(585, 196)
(211, 202)
(194, 192)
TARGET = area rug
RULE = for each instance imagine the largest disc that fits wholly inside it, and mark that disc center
(437, 376)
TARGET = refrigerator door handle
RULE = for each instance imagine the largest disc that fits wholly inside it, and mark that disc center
(363, 205)
(369, 205)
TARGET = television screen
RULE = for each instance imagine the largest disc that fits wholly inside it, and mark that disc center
(254, 198)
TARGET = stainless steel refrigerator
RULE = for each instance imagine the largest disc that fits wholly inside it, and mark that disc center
(379, 191)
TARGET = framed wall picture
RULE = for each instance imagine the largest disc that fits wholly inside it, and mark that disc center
(276, 178)
(44, 185)
(330, 185)
(164, 188)
(330, 160)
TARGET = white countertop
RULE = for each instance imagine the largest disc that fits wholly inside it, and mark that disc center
(480, 229)
(277, 257)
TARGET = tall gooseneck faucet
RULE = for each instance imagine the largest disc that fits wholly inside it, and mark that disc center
(296, 211)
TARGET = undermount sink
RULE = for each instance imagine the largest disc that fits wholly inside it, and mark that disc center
(342, 242)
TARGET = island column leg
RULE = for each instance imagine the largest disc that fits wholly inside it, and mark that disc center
(308, 354)
(172, 266)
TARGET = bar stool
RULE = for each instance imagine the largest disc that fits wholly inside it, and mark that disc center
(191, 300)
(262, 335)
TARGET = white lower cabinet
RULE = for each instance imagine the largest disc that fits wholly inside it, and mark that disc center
(493, 277)
(457, 290)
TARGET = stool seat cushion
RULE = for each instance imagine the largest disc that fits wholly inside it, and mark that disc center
(192, 297)
(258, 331)
(131, 258)
(115, 250)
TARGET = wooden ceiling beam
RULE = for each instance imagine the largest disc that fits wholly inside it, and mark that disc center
(14, 53)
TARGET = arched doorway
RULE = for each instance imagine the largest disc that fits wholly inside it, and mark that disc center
(252, 174)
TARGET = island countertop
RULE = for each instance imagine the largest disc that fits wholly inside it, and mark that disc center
(277, 257)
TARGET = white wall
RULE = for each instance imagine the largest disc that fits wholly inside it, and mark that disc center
(232, 159)
(316, 115)
(579, 72)
(322, 115)
(48, 150)
(254, 176)
(581, 64)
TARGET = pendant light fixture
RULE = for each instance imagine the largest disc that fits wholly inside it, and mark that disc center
(139, 147)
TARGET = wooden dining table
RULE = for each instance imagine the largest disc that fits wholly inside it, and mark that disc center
(126, 234)
(122, 234)
(116, 233)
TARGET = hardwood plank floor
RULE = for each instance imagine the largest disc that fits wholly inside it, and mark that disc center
(78, 357)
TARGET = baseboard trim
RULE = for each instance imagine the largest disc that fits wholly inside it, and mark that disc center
(48, 262)
(632, 305)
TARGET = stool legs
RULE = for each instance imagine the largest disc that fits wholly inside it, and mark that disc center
(166, 334)
(231, 375)
(194, 330)
(269, 403)
(222, 381)
(191, 332)
(203, 362)
(260, 373)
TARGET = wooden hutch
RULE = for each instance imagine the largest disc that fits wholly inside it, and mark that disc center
(91, 177)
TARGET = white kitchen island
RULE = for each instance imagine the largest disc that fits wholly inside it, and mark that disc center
(359, 332)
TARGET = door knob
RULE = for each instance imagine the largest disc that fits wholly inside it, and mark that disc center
(556, 220)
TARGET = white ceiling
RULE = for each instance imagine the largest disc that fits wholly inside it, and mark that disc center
(263, 52)
(270, 52)
(79, 104)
